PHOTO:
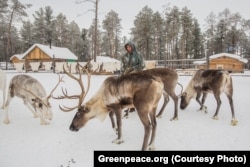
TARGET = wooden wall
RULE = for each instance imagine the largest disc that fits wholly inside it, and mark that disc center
(37, 54)
(16, 60)
(225, 63)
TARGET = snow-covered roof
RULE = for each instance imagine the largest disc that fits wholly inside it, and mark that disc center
(233, 56)
(19, 56)
(57, 52)
(102, 59)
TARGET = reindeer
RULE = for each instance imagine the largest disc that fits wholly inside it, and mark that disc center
(209, 81)
(3, 85)
(169, 78)
(142, 91)
(33, 94)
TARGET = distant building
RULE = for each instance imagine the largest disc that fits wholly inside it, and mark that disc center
(225, 61)
(44, 53)
(42, 57)
(17, 58)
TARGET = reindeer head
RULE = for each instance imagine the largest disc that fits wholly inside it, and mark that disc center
(80, 117)
(184, 101)
(186, 97)
(41, 104)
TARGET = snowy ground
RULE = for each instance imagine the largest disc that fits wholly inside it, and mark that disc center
(24, 142)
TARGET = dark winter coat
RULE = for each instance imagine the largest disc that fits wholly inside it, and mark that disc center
(132, 62)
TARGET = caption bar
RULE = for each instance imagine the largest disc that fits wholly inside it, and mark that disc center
(170, 158)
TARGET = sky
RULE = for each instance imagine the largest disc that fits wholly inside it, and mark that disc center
(127, 10)
(24, 142)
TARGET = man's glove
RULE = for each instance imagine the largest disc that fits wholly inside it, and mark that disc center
(128, 70)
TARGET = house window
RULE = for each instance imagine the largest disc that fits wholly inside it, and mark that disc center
(220, 66)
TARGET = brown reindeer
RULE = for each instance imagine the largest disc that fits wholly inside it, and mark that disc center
(169, 78)
(209, 81)
(142, 91)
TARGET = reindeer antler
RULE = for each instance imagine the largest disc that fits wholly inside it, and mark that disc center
(60, 79)
(49, 96)
(83, 92)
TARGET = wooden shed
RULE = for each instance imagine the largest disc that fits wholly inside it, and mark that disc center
(17, 58)
(225, 61)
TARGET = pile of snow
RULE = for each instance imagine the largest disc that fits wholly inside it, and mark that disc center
(102, 59)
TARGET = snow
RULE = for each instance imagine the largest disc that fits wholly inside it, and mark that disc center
(24, 142)
(101, 59)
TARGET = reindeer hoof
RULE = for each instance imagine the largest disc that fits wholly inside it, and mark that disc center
(118, 141)
(151, 148)
(174, 119)
(158, 116)
(6, 121)
(203, 108)
(215, 117)
(44, 123)
(234, 122)
(126, 116)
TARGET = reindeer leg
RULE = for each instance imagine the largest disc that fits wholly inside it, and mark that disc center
(204, 97)
(217, 97)
(49, 115)
(154, 125)
(111, 116)
(42, 118)
(6, 120)
(126, 113)
(118, 113)
(4, 96)
(202, 107)
(166, 100)
(198, 99)
(143, 114)
(41, 114)
(234, 120)
(36, 115)
(175, 99)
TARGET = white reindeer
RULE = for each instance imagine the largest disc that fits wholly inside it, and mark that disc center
(33, 94)
(3, 85)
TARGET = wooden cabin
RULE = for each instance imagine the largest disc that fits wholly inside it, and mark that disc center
(225, 61)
